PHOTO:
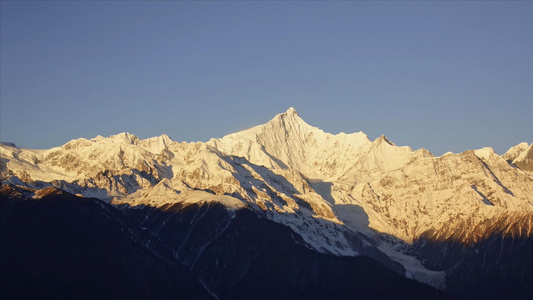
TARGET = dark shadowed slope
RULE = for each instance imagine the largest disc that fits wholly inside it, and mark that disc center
(500, 267)
(66, 247)
(239, 255)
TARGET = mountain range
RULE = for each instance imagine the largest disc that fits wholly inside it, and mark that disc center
(246, 214)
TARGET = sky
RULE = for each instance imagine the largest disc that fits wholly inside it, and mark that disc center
(445, 76)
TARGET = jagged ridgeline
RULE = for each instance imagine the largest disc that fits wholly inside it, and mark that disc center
(342, 195)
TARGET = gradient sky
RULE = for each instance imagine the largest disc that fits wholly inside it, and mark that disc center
(445, 76)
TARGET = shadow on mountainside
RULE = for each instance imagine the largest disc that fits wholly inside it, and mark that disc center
(257, 180)
(226, 252)
(358, 241)
(500, 267)
(66, 247)
(121, 183)
(323, 188)
(277, 161)
(242, 256)
(348, 213)
(254, 186)
(238, 254)
(62, 247)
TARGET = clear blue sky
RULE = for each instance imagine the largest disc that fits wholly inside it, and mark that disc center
(446, 76)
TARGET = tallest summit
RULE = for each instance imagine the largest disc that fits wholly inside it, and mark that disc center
(291, 111)
(290, 116)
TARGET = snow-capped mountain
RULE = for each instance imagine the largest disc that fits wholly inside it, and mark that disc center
(343, 194)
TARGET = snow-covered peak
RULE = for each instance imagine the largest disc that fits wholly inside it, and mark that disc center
(289, 114)
(383, 139)
(515, 151)
(291, 111)
(484, 153)
(124, 138)
(289, 122)
(525, 160)
(287, 141)
(156, 144)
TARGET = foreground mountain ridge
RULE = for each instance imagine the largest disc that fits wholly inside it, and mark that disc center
(56, 245)
(343, 194)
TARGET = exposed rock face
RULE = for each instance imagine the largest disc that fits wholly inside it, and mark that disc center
(343, 194)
